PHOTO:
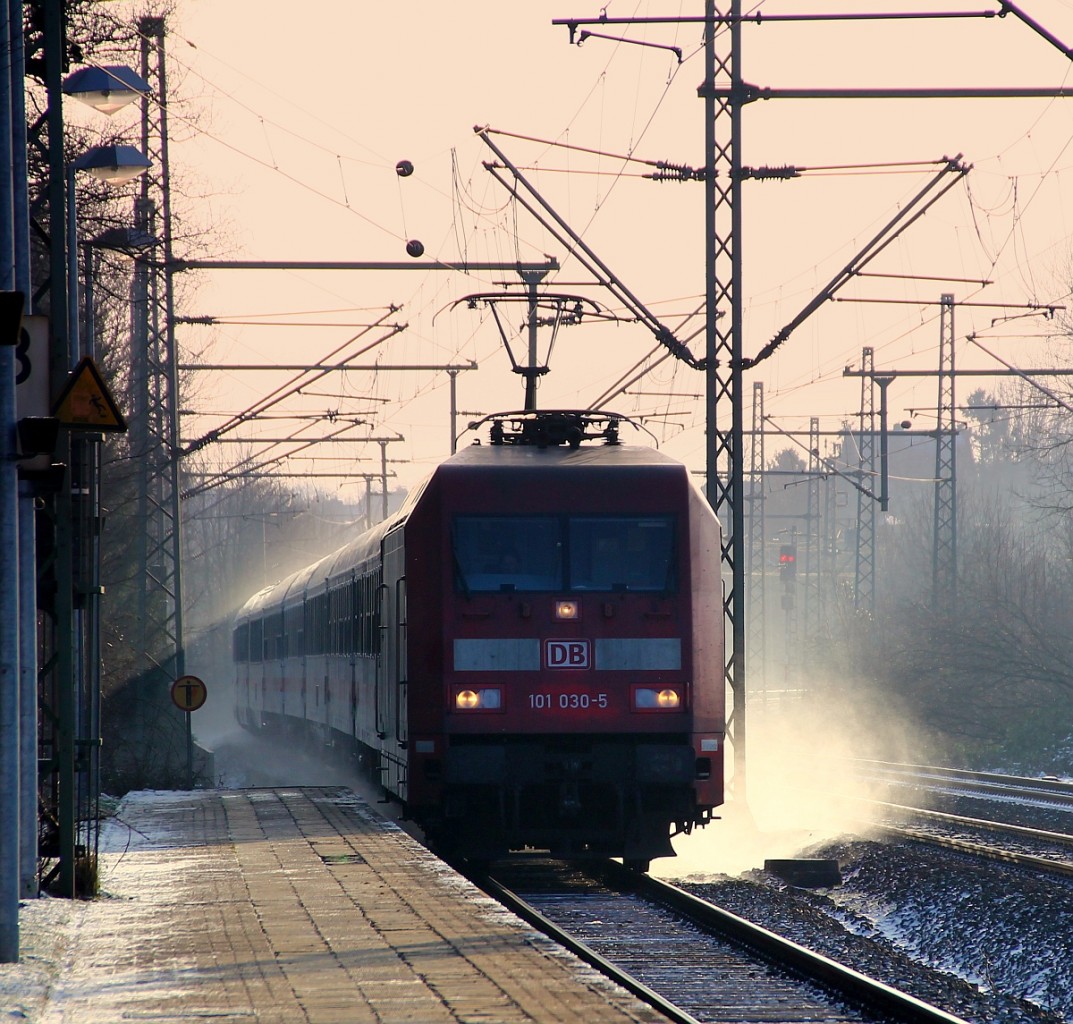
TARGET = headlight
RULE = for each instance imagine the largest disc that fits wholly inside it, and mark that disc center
(489, 698)
(648, 698)
(567, 610)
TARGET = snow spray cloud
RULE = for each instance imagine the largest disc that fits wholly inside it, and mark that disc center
(807, 783)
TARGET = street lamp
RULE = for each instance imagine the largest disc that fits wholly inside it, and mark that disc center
(106, 89)
(114, 165)
(125, 240)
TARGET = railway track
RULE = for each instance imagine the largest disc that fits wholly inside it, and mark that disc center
(999, 797)
(691, 959)
(1044, 793)
(1032, 861)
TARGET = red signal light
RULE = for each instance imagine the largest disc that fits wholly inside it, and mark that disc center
(788, 561)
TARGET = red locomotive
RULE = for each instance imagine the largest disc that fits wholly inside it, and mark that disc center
(528, 653)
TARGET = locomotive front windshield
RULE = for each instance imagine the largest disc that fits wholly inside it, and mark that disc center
(579, 553)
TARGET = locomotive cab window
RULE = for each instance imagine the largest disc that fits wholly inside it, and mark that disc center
(522, 553)
(622, 554)
(582, 553)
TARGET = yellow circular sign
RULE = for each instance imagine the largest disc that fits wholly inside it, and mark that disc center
(188, 693)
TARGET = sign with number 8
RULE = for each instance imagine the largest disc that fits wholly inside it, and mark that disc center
(31, 368)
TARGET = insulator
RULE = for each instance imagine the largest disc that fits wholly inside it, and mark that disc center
(784, 172)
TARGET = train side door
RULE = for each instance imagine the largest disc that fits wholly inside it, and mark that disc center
(391, 715)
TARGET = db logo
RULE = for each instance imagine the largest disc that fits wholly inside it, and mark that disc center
(566, 653)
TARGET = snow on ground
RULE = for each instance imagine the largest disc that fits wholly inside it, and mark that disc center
(997, 926)
(47, 926)
(993, 934)
(33, 990)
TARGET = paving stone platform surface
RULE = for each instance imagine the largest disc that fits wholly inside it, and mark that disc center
(303, 905)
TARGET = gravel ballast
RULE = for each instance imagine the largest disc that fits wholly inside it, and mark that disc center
(985, 941)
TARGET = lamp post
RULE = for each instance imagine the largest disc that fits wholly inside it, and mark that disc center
(129, 241)
(113, 165)
(75, 517)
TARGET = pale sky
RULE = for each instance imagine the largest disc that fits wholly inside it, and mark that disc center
(290, 127)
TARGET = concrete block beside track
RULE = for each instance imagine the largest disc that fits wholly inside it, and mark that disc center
(289, 904)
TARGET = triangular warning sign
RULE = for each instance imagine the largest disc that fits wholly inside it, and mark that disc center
(86, 403)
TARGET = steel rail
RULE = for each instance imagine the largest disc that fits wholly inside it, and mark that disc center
(529, 914)
(1023, 860)
(992, 781)
(978, 785)
(867, 992)
(1023, 831)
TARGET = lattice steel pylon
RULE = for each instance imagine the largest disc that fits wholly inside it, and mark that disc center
(724, 97)
(155, 406)
(757, 569)
(864, 577)
(944, 550)
(813, 558)
(829, 575)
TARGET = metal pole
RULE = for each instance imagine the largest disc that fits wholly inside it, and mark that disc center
(711, 195)
(383, 478)
(172, 370)
(160, 551)
(9, 663)
(65, 674)
(144, 216)
(94, 444)
(82, 451)
(21, 182)
(27, 692)
(60, 361)
(89, 333)
(864, 577)
(531, 282)
(72, 268)
(189, 750)
(736, 468)
(453, 374)
(757, 568)
(9, 548)
(810, 590)
(91, 452)
(944, 537)
(884, 496)
(8, 86)
(724, 95)
(28, 887)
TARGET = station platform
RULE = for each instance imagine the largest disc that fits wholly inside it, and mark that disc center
(303, 905)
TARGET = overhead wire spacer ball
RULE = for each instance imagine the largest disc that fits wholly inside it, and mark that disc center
(415, 248)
